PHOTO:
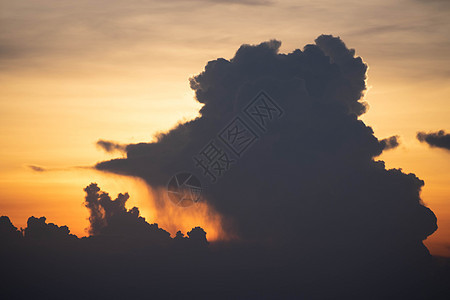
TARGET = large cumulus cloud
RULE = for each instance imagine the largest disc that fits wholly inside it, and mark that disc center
(310, 179)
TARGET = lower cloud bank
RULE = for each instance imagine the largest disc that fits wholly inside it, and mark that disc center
(44, 261)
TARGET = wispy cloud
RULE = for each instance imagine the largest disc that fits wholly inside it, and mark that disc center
(37, 168)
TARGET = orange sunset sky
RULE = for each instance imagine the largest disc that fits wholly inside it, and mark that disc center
(74, 72)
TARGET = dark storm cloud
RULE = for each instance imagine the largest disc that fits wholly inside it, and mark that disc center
(312, 172)
(438, 139)
(390, 142)
(110, 146)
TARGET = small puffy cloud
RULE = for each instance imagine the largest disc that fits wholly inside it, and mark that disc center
(439, 139)
(390, 142)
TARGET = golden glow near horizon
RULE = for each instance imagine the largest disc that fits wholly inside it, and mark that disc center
(75, 72)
